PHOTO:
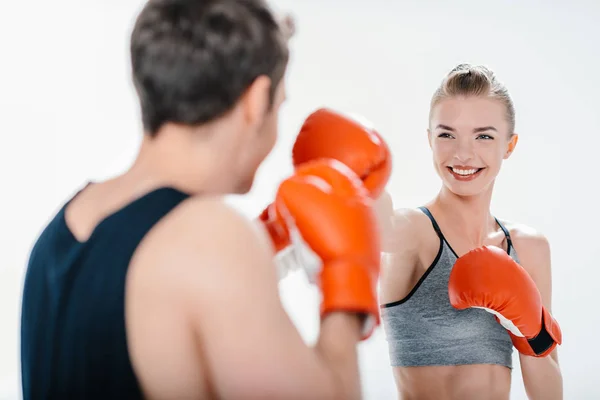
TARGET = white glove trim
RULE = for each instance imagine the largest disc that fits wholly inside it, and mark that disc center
(505, 322)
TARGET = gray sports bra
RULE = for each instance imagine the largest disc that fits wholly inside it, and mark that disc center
(423, 329)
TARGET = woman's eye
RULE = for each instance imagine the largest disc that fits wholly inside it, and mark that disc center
(445, 135)
(485, 137)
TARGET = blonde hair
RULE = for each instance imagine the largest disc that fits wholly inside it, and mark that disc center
(475, 80)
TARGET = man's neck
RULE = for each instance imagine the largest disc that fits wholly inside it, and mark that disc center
(169, 162)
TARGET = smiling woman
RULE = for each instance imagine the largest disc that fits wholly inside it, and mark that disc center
(453, 302)
(471, 112)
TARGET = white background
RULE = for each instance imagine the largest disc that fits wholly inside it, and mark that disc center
(69, 114)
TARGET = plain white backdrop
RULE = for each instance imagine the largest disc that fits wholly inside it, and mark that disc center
(69, 114)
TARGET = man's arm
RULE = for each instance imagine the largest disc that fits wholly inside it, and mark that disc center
(250, 346)
(541, 376)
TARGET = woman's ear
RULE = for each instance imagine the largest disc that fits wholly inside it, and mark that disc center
(512, 143)
(429, 137)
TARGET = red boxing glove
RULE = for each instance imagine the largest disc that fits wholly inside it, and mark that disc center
(489, 278)
(327, 204)
(277, 232)
(328, 134)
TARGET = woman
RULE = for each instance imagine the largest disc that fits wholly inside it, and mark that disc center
(440, 346)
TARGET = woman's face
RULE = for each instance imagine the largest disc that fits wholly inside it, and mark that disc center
(469, 138)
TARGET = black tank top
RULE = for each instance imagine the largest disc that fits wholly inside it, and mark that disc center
(73, 340)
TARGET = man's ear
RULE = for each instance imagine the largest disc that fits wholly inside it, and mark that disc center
(255, 100)
(512, 143)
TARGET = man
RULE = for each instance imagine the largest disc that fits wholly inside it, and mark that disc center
(149, 286)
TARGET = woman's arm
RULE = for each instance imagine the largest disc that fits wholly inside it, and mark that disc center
(541, 376)
(399, 267)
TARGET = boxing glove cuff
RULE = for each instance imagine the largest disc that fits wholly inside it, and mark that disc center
(544, 342)
(348, 287)
(298, 256)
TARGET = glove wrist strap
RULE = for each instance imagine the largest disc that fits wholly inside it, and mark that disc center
(544, 342)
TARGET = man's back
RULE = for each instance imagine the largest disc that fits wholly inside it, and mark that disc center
(74, 340)
(159, 295)
(189, 306)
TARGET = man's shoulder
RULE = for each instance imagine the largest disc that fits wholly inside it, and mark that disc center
(187, 256)
(211, 211)
(203, 228)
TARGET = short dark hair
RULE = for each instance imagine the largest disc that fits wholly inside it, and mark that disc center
(193, 59)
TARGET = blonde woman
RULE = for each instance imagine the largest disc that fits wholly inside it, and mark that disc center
(460, 289)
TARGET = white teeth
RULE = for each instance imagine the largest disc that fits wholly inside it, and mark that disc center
(464, 172)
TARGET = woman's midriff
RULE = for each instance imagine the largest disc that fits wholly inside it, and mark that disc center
(464, 382)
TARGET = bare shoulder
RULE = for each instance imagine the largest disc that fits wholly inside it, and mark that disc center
(408, 227)
(207, 272)
(212, 221)
(201, 222)
(202, 241)
(402, 253)
(527, 240)
(532, 247)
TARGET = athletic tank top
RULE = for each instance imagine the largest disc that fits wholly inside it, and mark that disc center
(423, 329)
(73, 340)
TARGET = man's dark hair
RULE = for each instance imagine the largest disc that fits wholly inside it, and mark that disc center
(193, 59)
